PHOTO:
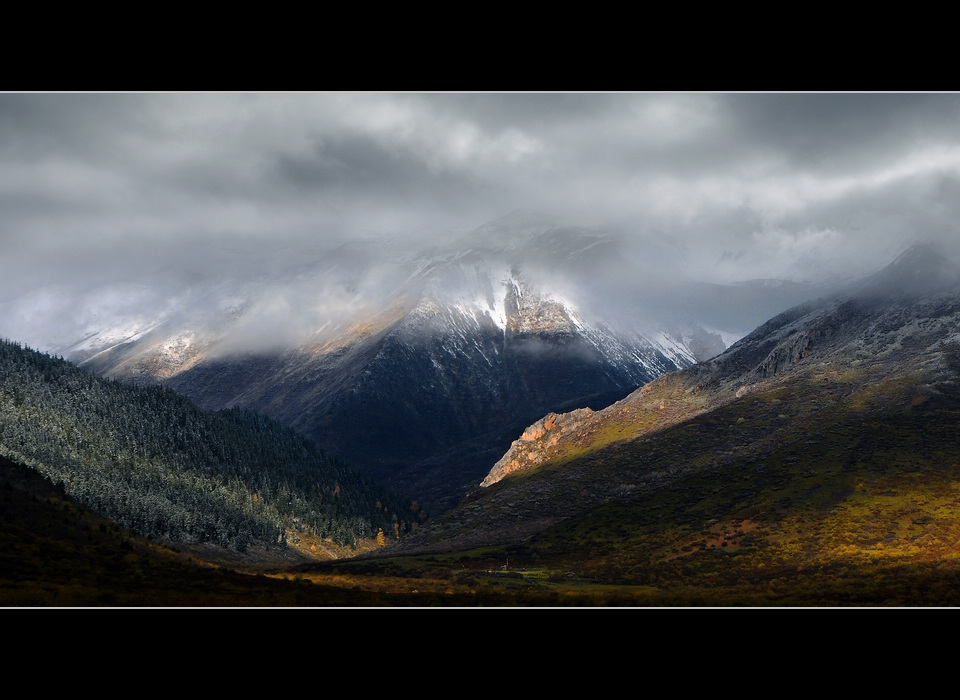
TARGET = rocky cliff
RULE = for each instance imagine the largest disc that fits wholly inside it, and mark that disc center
(534, 445)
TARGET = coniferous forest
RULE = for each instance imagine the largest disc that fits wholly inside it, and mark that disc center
(154, 462)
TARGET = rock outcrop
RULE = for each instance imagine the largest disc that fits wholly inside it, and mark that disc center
(534, 444)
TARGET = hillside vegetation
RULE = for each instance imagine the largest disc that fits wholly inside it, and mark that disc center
(153, 462)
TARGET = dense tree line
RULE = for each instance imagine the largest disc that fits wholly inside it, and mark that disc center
(154, 462)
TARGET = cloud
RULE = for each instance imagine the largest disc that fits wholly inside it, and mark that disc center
(119, 188)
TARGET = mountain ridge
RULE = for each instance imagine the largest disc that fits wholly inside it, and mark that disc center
(851, 354)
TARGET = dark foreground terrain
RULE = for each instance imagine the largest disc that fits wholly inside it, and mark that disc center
(815, 463)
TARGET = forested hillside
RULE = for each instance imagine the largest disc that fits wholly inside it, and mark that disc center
(154, 462)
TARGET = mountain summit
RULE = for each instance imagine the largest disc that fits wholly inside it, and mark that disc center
(919, 270)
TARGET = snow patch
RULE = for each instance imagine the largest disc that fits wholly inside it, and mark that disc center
(676, 351)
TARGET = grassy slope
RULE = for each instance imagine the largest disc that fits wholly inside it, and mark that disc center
(824, 508)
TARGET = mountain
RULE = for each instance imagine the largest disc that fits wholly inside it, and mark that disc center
(418, 366)
(423, 378)
(910, 302)
(813, 462)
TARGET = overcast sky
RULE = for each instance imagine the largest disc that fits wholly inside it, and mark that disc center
(105, 187)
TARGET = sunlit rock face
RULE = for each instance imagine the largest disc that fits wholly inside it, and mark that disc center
(534, 444)
(527, 313)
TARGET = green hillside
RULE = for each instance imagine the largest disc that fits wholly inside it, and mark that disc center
(153, 462)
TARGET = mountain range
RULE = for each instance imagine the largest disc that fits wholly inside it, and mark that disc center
(432, 361)
(816, 453)
(569, 459)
